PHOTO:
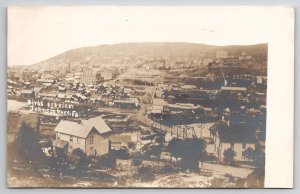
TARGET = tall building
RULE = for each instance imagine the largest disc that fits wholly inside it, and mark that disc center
(88, 76)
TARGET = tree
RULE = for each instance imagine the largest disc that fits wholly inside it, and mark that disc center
(83, 160)
(107, 161)
(98, 77)
(27, 143)
(249, 153)
(229, 155)
(259, 159)
(256, 178)
(157, 149)
(153, 149)
(190, 150)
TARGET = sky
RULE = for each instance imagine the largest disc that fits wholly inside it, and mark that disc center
(38, 33)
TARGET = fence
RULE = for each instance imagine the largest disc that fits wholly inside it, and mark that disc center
(183, 131)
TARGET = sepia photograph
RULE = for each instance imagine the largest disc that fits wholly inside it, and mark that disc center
(136, 97)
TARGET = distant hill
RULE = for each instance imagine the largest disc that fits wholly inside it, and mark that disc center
(174, 51)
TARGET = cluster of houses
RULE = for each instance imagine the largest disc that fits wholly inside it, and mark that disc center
(108, 94)
(91, 135)
(235, 102)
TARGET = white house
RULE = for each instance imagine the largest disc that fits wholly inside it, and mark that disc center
(89, 135)
(238, 138)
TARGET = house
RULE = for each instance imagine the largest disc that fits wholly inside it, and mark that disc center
(126, 103)
(117, 141)
(88, 77)
(89, 135)
(234, 89)
(186, 108)
(48, 96)
(47, 76)
(129, 91)
(27, 94)
(158, 106)
(236, 137)
(45, 81)
(37, 90)
(27, 85)
(64, 97)
(156, 109)
(11, 82)
(80, 98)
(188, 87)
(47, 85)
(62, 89)
(10, 91)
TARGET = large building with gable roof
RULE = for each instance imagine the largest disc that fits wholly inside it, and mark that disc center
(91, 136)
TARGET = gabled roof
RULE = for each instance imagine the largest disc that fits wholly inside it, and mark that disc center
(61, 88)
(27, 91)
(158, 101)
(47, 95)
(185, 106)
(236, 134)
(64, 96)
(231, 88)
(98, 123)
(45, 80)
(83, 128)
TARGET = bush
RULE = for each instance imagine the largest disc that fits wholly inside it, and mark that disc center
(136, 161)
(256, 179)
(192, 165)
(106, 161)
(249, 153)
(83, 160)
(229, 155)
(191, 151)
(27, 143)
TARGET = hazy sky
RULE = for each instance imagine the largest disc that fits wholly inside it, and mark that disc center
(38, 33)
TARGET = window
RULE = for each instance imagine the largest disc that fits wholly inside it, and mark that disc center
(91, 151)
(232, 145)
(78, 140)
(71, 138)
(244, 146)
(91, 139)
